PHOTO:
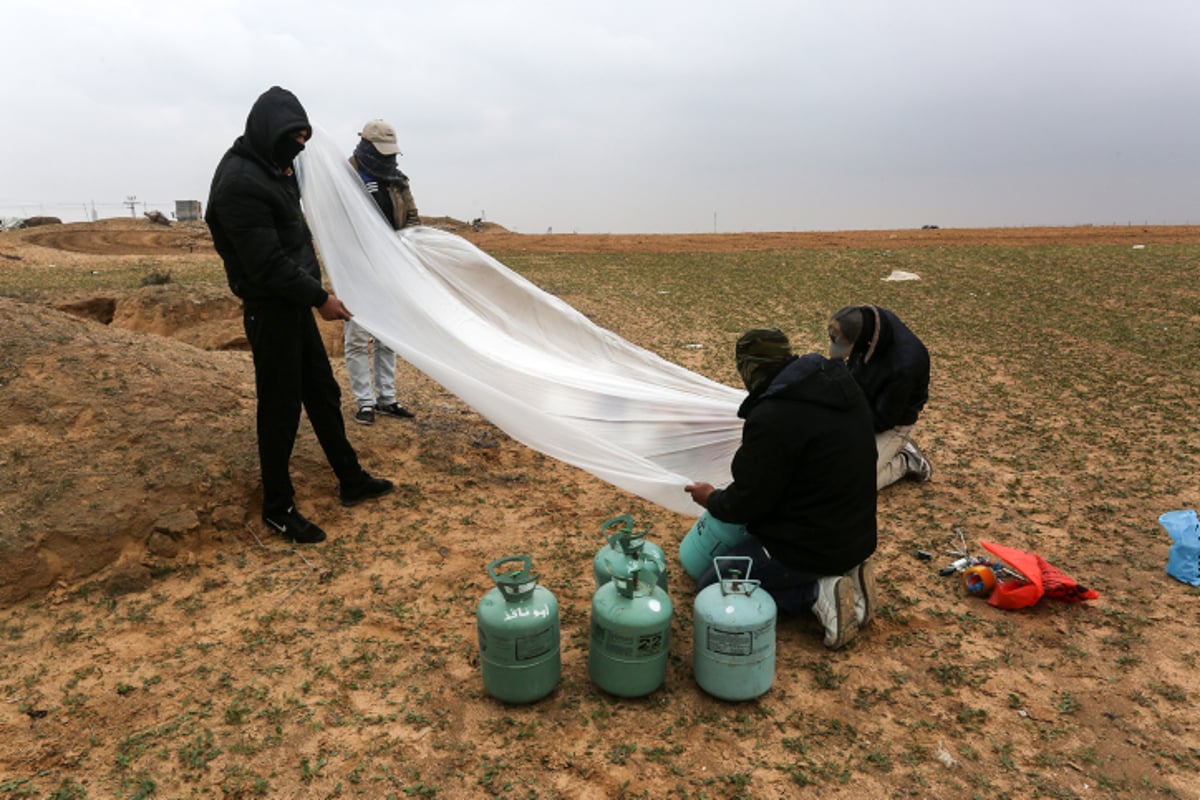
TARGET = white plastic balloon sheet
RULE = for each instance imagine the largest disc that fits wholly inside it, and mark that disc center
(523, 359)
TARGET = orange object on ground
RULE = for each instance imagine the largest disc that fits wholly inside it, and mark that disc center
(1041, 578)
(979, 580)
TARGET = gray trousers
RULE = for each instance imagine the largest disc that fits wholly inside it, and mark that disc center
(890, 463)
(362, 360)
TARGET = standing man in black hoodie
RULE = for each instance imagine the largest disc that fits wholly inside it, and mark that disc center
(803, 485)
(258, 228)
(891, 365)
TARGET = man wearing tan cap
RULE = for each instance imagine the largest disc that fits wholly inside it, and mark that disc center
(374, 160)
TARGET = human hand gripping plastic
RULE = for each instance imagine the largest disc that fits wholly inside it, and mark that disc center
(333, 308)
(700, 492)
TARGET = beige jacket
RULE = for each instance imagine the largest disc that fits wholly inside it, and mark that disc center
(404, 208)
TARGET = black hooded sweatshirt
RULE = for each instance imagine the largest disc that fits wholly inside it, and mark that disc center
(892, 366)
(804, 475)
(254, 211)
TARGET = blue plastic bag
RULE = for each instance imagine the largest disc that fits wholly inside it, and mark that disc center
(1183, 560)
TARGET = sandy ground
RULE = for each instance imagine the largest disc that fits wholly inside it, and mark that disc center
(158, 642)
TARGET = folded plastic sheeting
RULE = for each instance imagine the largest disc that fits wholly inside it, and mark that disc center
(523, 359)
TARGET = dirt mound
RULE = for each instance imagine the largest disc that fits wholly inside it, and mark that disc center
(121, 237)
(34, 222)
(209, 318)
(106, 441)
(453, 225)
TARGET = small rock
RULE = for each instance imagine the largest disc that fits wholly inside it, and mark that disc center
(227, 518)
(162, 545)
(178, 523)
(127, 578)
(943, 755)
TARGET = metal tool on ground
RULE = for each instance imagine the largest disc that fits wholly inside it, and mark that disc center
(978, 574)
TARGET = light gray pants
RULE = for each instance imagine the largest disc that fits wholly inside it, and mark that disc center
(359, 362)
(890, 463)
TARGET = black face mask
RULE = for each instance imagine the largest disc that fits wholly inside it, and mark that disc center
(285, 150)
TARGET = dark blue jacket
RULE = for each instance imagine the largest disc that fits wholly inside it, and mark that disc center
(804, 475)
(891, 365)
(254, 211)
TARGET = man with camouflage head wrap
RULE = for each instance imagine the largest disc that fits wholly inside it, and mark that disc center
(803, 484)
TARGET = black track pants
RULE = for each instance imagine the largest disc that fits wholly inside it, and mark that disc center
(291, 369)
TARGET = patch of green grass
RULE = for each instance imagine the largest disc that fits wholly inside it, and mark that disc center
(156, 277)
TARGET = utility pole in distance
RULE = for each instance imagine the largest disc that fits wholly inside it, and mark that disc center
(131, 201)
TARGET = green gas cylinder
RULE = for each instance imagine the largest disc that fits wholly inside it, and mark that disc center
(625, 547)
(519, 647)
(708, 538)
(733, 642)
(630, 633)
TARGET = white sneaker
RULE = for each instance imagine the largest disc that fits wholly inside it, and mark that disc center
(866, 595)
(919, 468)
(835, 608)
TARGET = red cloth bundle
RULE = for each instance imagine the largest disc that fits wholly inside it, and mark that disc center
(1041, 578)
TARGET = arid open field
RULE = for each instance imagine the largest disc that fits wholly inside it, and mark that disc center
(155, 641)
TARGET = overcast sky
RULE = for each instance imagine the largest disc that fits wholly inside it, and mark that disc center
(646, 116)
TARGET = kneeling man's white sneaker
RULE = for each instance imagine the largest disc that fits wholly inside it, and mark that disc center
(835, 608)
(866, 595)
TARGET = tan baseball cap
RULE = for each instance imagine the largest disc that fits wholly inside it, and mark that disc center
(382, 135)
(845, 326)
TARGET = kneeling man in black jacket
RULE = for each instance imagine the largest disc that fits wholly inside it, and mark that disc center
(803, 484)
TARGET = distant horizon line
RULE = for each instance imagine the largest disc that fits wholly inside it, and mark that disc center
(87, 212)
(550, 232)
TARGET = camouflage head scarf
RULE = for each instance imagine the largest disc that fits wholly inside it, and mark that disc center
(760, 353)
